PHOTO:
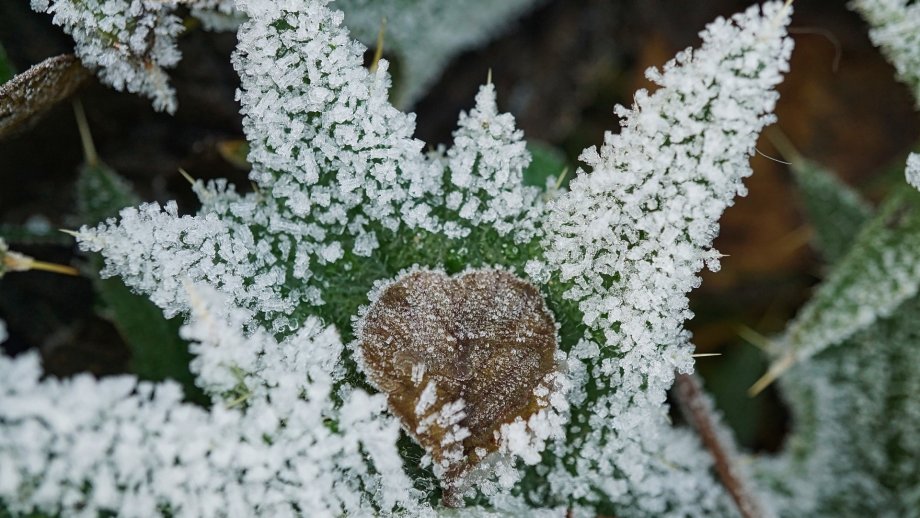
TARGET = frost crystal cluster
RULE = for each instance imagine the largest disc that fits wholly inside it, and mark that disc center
(895, 28)
(423, 34)
(630, 237)
(913, 170)
(129, 42)
(337, 170)
(345, 201)
(84, 447)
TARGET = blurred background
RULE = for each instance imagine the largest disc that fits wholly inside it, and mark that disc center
(560, 70)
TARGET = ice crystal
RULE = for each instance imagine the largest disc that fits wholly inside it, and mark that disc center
(630, 236)
(895, 28)
(82, 447)
(469, 365)
(128, 42)
(912, 172)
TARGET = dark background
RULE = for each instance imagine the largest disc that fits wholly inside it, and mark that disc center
(559, 70)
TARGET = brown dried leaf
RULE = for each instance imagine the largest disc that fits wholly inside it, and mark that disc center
(458, 358)
(28, 95)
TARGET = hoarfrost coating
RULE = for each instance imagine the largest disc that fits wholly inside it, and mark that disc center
(631, 236)
(331, 184)
(128, 42)
(894, 27)
(83, 446)
(338, 172)
(913, 170)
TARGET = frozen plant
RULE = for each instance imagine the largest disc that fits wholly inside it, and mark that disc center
(84, 447)
(346, 198)
(451, 281)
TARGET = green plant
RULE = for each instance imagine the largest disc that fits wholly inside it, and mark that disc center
(301, 291)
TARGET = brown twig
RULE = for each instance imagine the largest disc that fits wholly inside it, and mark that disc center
(698, 411)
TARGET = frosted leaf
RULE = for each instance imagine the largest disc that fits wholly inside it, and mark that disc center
(833, 208)
(894, 27)
(487, 165)
(119, 446)
(630, 237)
(127, 42)
(424, 35)
(27, 96)
(913, 170)
(853, 449)
(876, 276)
(468, 365)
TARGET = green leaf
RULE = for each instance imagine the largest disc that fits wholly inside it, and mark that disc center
(880, 272)
(7, 71)
(834, 208)
(547, 162)
(854, 447)
(33, 235)
(157, 351)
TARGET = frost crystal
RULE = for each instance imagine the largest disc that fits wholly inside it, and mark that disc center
(630, 236)
(82, 446)
(895, 28)
(913, 170)
(469, 365)
(128, 42)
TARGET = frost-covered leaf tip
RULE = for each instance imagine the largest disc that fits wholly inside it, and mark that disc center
(127, 42)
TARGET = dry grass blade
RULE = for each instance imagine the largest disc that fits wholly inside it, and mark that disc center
(28, 95)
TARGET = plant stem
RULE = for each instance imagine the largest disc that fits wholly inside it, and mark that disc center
(698, 411)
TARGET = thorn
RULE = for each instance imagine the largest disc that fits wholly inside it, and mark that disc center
(187, 176)
(784, 146)
(773, 373)
(562, 176)
(489, 77)
(768, 157)
(71, 233)
(756, 339)
(16, 262)
(86, 138)
(378, 52)
(705, 355)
